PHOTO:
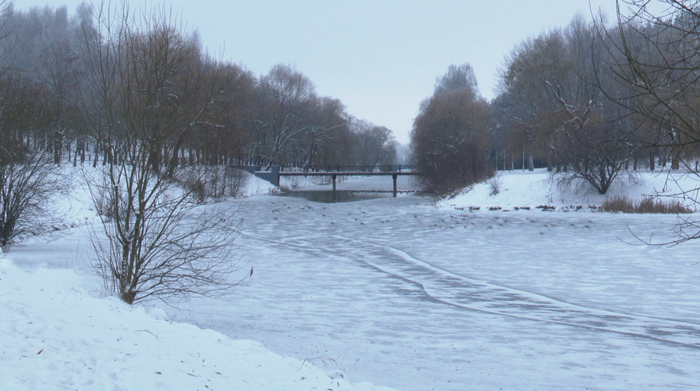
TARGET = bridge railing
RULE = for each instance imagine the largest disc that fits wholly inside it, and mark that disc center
(335, 168)
(353, 168)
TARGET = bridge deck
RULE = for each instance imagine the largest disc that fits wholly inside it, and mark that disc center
(353, 173)
(336, 174)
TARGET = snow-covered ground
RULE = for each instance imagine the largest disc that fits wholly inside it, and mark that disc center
(56, 336)
(537, 188)
(253, 186)
(391, 291)
(59, 330)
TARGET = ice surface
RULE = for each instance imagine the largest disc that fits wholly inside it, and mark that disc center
(401, 294)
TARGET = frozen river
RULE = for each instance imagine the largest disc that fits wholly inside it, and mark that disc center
(396, 292)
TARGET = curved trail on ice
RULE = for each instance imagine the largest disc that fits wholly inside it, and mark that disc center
(452, 289)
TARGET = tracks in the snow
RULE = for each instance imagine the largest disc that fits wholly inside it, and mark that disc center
(455, 290)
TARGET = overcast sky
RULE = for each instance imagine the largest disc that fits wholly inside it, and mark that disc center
(379, 57)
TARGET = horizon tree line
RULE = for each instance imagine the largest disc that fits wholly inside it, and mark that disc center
(590, 101)
(275, 118)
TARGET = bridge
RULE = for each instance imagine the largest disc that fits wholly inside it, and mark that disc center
(275, 172)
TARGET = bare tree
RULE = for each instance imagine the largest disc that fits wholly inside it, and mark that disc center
(327, 139)
(285, 99)
(552, 104)
(373, 144)
(457, 77)
(58, 71)
(28, 179)
(225, 143)
(596, 143)
(450, 136)
(6, 27)
(290, 125)
(148, 90)
(657, 57)
(660, 65)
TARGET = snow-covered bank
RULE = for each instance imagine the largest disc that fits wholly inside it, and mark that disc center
(253, 186)
(55, 336)
(57, 332)
(532, 189)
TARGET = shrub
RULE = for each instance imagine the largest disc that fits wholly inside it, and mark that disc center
(495, 185)
(647, 205)
(618, 205)
(104, 204)
(197, 188)
(25, 191)
(215, 182)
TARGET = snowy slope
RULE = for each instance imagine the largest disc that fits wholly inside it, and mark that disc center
(253, 186)
(55, 336)
(58, 332)
(532, 189)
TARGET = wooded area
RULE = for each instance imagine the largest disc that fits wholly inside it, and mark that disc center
(592, 101)
(242, 118)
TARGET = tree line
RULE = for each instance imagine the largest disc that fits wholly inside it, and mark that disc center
(275, 118)
(593, 101)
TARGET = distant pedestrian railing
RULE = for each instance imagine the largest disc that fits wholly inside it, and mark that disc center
(353, 168)
(336, 168)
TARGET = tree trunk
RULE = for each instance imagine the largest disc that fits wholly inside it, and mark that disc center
(676, 158)
(57, 146)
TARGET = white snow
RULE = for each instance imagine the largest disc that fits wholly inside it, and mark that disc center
(532, 189)
(59, 330)
(253, 185)
(389, 291)
(55, 336)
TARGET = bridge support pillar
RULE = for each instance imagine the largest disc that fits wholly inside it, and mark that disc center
(394, 178)
(272, 176)
(335, 196)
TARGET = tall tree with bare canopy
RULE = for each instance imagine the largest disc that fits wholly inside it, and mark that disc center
(149, 89)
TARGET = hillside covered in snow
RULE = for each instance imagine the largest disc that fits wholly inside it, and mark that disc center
(518, 189)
